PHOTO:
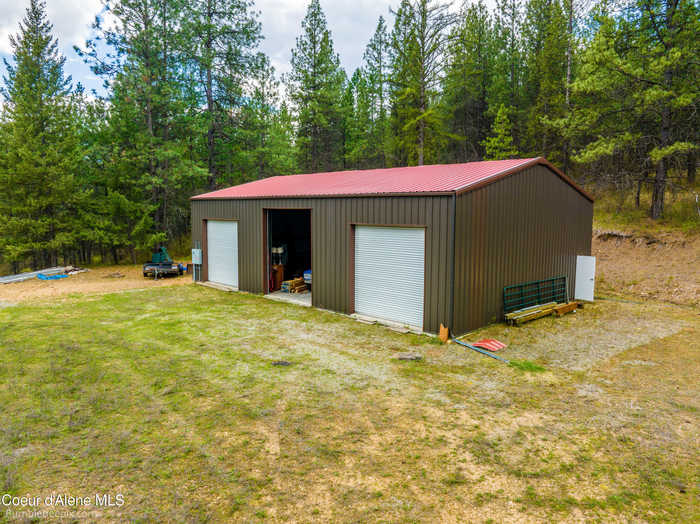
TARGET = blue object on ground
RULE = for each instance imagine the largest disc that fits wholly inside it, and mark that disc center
(30, 275)
(41, 276)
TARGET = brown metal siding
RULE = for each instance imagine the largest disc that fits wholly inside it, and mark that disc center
(528, 226)
(332, 220)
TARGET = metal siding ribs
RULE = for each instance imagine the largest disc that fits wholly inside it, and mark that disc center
(331, 227)
(523, 227)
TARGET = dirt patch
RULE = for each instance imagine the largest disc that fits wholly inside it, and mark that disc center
(581, 340)
(664, 267)
(96, 281)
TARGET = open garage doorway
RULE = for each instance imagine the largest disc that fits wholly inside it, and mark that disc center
(288, 257)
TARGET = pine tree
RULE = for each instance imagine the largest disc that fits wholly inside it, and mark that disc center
(637, 92)
(347, 111)
(508, 62)
(153, 116)
(418, 40)
(221, 37)
(265, 134)
(574, 11)
(357, 109)
(376, 68)
(499, 145)
(403, 99)
(281, 142)
(467, 83)
(40, 155)
(315, 86)
(545, 34)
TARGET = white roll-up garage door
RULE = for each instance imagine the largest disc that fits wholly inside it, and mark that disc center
(389, 273)
(222, 252)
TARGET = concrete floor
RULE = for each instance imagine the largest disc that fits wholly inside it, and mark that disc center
(302, 299)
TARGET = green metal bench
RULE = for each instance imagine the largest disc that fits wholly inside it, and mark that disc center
(520, 296)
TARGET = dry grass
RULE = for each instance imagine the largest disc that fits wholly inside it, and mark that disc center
(96, 281)
(661, 267)
(582, 340)
(617, 210)
(170, 396)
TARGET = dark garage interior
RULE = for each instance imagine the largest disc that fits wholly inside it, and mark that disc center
(289, 244)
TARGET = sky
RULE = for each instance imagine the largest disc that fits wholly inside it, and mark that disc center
(352, 24)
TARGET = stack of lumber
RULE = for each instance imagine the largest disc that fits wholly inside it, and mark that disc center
(530, 313)
(296, 285)
(541, 310)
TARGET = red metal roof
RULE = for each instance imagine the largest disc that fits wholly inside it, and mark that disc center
(440, 179)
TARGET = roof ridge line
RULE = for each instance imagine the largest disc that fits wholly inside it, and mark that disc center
(510, 170)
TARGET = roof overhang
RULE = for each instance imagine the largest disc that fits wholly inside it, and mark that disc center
(459, 191)
(535, 161)
(350, 195)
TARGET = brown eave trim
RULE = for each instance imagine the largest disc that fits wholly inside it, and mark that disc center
(535, 161)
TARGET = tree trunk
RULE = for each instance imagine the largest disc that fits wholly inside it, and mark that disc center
(421, 126)
(637, 197)
(149, 109)
(382, 136)
(657, 200)
(165, 78)
(314, 150)
(210, 102)
(569, 37)
(692, 168)
(567, 95)
(210, 134)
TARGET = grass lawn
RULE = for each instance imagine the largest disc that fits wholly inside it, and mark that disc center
(171, 397)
